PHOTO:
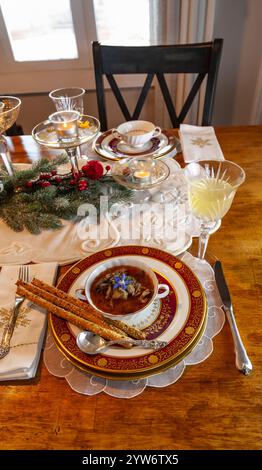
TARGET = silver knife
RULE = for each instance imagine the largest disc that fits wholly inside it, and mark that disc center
(243, 362)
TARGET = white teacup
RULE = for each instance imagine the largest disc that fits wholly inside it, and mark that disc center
(116, 262)
(136, 133)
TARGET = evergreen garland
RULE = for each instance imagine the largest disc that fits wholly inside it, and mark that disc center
(39, 198)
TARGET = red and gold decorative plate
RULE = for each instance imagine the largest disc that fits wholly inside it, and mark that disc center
(178, 319)
(111, 148)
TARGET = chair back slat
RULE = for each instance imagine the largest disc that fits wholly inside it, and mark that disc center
(191, 96)
(168, 100)
(143, 95)
(119, 97)
(202, 59)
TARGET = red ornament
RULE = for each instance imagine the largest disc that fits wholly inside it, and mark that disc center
(94, 170)
(44, 184)
(29, 184)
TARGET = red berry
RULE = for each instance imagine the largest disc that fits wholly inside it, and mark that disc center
(29, 184)
(44, 184)
(45, 176)
(84, 167)
(82, 188)
(108, 167)
(82, 184)
(72, 182)
(57, 179)
(53, 172)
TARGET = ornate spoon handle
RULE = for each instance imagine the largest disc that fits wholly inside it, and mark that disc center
(147, 344)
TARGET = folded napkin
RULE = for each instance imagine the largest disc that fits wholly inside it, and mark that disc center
(26, 343)
(199, 143)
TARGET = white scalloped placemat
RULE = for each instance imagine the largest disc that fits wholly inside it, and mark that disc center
(88, 384)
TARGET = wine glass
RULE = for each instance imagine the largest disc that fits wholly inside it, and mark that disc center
(68, 99)
(212, 186)
(9, 110)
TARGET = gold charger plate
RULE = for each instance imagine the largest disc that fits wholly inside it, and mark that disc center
(179, 322)
(131, 376)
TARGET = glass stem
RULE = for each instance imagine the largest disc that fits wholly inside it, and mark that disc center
(5, 156)
(72, 154)
(203, 239)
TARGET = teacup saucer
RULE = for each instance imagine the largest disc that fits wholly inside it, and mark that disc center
(112, 148)
(125, 148)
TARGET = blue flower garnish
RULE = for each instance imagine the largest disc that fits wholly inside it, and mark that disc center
(122, 281)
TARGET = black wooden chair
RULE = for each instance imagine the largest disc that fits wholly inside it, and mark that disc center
(202, 59)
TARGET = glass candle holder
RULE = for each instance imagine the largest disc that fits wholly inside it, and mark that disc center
(142, 176)
(66, 128)
(65, 124)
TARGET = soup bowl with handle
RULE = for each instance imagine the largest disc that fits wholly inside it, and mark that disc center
(136, 133)
(159, 290)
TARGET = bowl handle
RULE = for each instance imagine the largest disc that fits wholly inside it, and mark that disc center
(116, 134)
(161, 295)
(79, 295)
(157, 131)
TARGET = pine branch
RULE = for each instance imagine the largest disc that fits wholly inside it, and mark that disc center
(37, 208)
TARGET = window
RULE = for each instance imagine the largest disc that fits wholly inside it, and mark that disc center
(40, 31)
(46, 44)
(123, 23)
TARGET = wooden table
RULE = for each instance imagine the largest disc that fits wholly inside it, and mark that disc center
(212, 406)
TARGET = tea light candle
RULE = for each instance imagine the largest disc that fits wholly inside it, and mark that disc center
(65, 123)
(142, 176)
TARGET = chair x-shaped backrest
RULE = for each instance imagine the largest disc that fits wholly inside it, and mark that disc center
(200, 59)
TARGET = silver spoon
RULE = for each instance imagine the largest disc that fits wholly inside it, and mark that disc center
(90, 343)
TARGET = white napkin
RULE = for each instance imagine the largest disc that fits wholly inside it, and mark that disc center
(199, 143)
(26, 343)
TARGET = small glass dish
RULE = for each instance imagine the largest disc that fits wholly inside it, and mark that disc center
(140, 173)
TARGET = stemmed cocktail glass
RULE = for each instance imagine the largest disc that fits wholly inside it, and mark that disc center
(212, 186)
(9, 110)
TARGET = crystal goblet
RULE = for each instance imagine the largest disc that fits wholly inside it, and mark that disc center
(68, 98)
(9, 110)
(212, 185)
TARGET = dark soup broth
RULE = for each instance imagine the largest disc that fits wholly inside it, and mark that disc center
(122, 289)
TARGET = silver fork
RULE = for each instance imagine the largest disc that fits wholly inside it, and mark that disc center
(23, 275)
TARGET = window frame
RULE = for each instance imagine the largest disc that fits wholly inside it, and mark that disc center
(31, 77)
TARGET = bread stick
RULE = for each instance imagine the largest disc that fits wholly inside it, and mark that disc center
(87, 310)
(65, 304)
(63, 295)
(129, 330)
(68, 316)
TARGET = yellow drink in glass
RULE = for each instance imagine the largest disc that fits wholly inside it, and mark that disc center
(210, 199)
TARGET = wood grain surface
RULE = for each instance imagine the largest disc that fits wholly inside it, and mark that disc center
(212, 406)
